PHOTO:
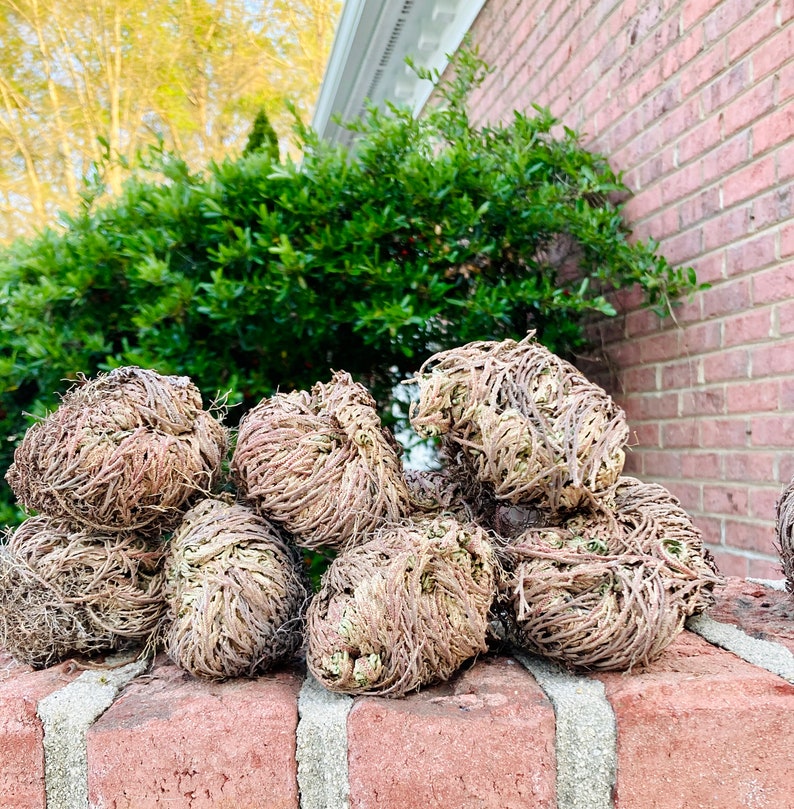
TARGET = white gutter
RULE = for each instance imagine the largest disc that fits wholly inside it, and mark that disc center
(367, 59)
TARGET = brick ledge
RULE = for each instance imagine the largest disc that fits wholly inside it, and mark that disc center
(699, 728)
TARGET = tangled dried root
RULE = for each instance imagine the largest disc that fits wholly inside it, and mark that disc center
(402, 610)
(123, 452)
(321, 464)
(588, 611)
(608, 590)
(236, 593)
(523, 421)
(784, 531)
(436, 492)
(65, 591)
(652, 521)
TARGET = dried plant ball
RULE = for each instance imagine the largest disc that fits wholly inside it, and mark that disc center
(236, 593)
(126, 451)
(65, 591)
(523, 421)
(405, 609)
(320, 464)
(588, 611)
(653, 522)
(606, 589)
(784, 531)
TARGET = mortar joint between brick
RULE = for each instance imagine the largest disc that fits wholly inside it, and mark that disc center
(66, 716)
(764, 654)
(322, 747)
(586, 735)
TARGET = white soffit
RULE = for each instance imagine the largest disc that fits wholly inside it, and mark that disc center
(367, 59)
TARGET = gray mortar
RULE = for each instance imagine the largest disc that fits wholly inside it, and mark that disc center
(772, 584)
(586, 735)
(765, 654)
(322, 747)
(66, 716)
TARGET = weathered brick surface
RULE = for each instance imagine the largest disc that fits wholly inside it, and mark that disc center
(693, 101)
(702, 728)
(760, 611)
(485, 739)
(174, 741)
(21, 734)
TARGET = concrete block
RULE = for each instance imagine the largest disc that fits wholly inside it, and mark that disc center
(66, 717)
(322, 746)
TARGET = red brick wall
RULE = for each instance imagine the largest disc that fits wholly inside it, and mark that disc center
(694, 101)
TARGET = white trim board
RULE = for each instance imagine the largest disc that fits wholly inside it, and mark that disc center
(367, 60)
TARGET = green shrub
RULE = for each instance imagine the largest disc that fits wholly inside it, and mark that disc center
(256, 275)
(262, 137)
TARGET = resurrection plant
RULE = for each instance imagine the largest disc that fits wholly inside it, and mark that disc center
(784, 531)
(607, 588)
(236, 593)
(523, 421)
(126, 451)
(405, 609)
(321, 464)
(589, 611)
(66, 591)
(652, 521)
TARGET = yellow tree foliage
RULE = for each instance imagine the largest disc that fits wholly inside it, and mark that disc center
(89, 84)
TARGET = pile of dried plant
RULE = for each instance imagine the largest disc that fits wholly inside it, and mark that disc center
(67, 591)
(236, 593)
(522, 421)
(784, 532)
(321, 464)
(608, 587)
(597, 571)
(404, 609)
(126, 451)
